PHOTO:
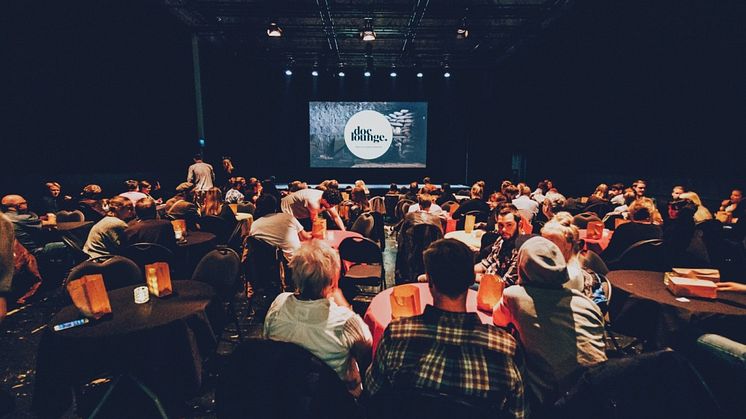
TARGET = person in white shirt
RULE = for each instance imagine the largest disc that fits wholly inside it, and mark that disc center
(277, 228)
(524, 203)
(201, 175)
(133, 191)
(306, 204)
(434, 208)
(318, 317)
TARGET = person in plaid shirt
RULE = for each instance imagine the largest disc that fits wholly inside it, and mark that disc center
(448, 350)
(501, 260)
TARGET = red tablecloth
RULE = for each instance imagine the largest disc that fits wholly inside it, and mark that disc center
(378, 315)
(597, 245)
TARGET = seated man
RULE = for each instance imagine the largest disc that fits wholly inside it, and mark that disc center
(277, 229)
(502, 258)
(28, 230)
(561, 329)
(107, 236)
(147, 228)
(306, 204)
(448, 350)
(318, 317)
(181, 207)
(133, 191)
(431, 208)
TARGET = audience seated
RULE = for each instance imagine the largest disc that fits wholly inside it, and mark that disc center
(524, 203)
(359, 205)
(90, 203)
(447, 350)
(413, 191)
(277, 228)
(733, 205)
(702, 214)
(133, 191)
(306, 204)
(446, 195)
(642, 212)
(616, 194)
(433, 208)
(181, 207)
(147, 228)
(234, 195)
(7, 238)
(318, 317)
(561, 330)
(474, 203)
(107, 236)
(28, 229)
(53, 200)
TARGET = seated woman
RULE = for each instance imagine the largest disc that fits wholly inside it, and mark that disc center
(562, 232)
(642, 213)
(599, 195)
(234, 194)
(733, 205)
(702, 214)
(359, 205)
(560, 329)
(318, 317)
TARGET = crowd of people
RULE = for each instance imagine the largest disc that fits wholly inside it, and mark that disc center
(555, 297)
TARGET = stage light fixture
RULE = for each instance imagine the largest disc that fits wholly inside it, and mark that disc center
(367, 34)
(419, 75)
(366, 73)
(274, 30)
(315, 73)
(393, 71)
(446, 74)
(341, 73)
(288, 72)
(463, 31)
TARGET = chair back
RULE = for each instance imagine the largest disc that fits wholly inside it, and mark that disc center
(270, 379)
(581, 220)
(402, 207)
(416, 239)
(220, 268)
(645, 255)
(599, 208)
(246, 207)
(479, 217)
(363, 224)
(448, 205)
(377, 204)
(390, 203)
(70, 216)
(76, 252)
(262, 265)
(118, 271)
(360, 250)
(217, 226)
(146, 253)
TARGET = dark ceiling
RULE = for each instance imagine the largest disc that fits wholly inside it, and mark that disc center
(410, 33)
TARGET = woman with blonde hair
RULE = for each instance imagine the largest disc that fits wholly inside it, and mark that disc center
(212, 203)
(702, 213)
(645, 225)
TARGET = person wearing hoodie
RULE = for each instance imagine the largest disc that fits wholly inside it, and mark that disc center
(560, 329)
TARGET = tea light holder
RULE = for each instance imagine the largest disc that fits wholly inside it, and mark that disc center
(142, 295)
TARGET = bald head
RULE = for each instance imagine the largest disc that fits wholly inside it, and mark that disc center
(15, 203)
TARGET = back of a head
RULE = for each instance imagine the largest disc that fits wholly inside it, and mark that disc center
(562, 225)
(11, 202)
(540, 263)
(91, 191)
(144, 184)
(511, 191)
(265, 204)
(642, 209)
(424, 201)
(295, 186)
(145, 209)
(523, 189)
(555, 201)
(332, 196)
(393, 187)
(449, 265)
(315, 268)
(629, 196)
(197, 157)
(117, 203)
(357, 195)
(132, 185)
(476, 191)
(446, 187)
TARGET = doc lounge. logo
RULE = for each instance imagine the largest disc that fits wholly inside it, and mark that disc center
(368, 135)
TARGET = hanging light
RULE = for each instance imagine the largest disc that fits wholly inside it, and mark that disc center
(367, 34)
(274, 31)
(463, 31)
(420, 75)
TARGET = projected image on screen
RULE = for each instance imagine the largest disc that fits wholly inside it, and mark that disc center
(368, 134)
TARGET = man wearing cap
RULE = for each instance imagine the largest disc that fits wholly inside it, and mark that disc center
(561, 329)
(447, 350)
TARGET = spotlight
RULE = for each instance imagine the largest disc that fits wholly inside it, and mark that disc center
(366, 73)
(274, 31)
(288, 72)
(446, 74)
(367, 34)
(419, 75)
(315, 73)
(462, 32)
(341, 73)
(393, 72)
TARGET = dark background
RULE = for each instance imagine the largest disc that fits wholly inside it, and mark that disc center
(98, 91)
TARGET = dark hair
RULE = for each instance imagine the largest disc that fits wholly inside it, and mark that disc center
(358, 196)
(506, 209)
(332, 196)
(132, 185)
(450, 266)
(393, 187)
(617, 186)
(145, 209)
(198, 156)
(144, 184)
(265, 204)
(424, 201)
(446, 187)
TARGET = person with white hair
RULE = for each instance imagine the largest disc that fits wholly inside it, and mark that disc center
(318, 318)
(561, 329)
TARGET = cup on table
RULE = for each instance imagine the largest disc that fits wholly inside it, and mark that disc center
(490, 291)
(141, 295)
(469, 223)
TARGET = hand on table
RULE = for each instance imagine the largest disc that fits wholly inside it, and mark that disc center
(731, 286)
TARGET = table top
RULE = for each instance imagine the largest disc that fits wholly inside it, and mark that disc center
(649, 285)
(335, 237)
(127, 317)
(473, 239)
(378, 315)
(195, 238)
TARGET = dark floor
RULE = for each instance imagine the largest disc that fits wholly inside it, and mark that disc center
(20, 335)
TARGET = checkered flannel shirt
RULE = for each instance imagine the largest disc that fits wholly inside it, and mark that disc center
(450, 353)
(502, 261)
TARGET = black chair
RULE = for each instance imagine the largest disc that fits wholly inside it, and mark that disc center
(447, 205)
(246, 207)
(378, 205)
(610, 220)
(401, 208)
(479, 217)
(217, 226)
(367, 262)
(391, 201)
(263, 266)
(378, 233)
(407, 403)
(221, 268)
(118, 271)
(266, 379)
(70, 216)
(146, 253)
(363, 224)
(74, 250)
(645, 255)
(660, 384)
(599, 208)
(581, 220)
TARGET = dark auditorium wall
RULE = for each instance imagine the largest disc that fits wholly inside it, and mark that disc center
(613, 90)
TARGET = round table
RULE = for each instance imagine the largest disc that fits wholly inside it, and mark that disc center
(596, 245)
(378, 315)
(473, 239)
(161, 342)
(642, 306)
(190, 251)
(334, 237)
